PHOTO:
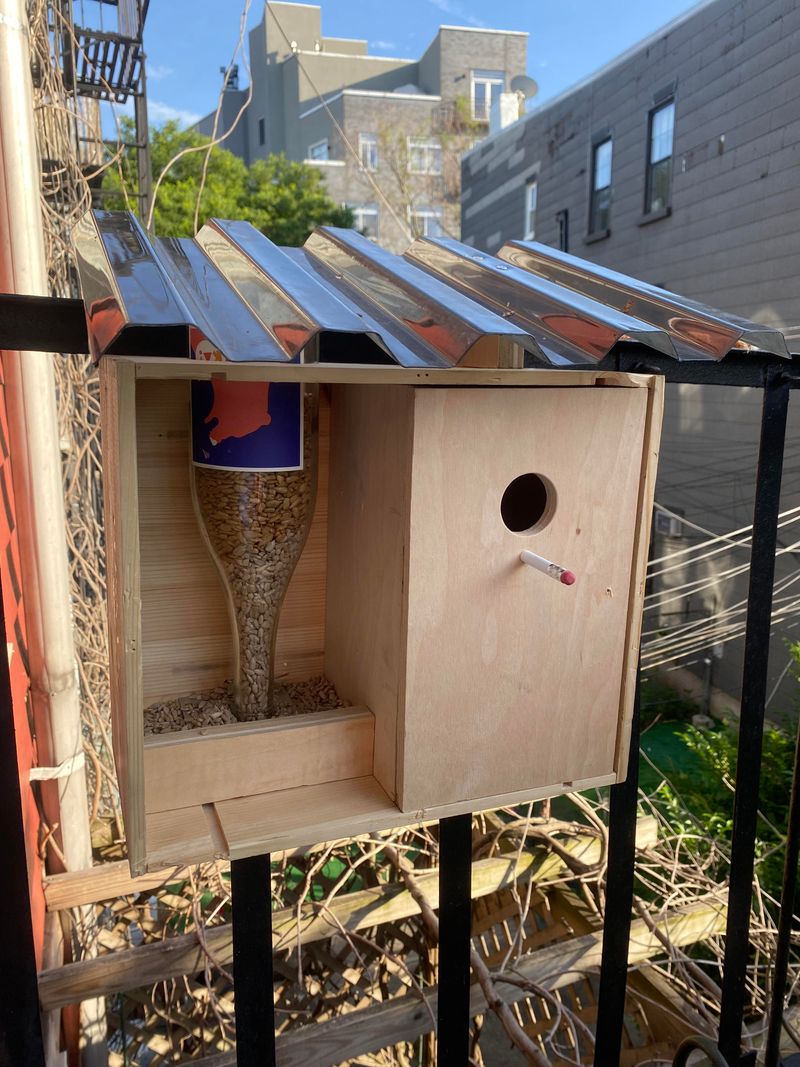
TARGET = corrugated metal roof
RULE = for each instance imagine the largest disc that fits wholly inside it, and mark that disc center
(440, 304)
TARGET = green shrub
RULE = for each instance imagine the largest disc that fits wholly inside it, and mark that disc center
(699, 796)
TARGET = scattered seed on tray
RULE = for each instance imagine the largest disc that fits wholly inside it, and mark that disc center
(214, 706)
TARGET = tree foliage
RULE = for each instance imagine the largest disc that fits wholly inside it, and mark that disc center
(284, 199)
(699, 796)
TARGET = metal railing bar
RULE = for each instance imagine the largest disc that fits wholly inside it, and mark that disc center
(619, 906)
(251, 906)
(781, 965)
(751, 724)
(455, 933)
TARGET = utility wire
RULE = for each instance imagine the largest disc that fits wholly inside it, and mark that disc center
(207, 146)
(220, 99)
(698, 585)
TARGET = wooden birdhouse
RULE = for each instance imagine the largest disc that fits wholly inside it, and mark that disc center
(469, 579)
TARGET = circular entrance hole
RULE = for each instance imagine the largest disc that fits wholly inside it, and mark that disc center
(528, 503)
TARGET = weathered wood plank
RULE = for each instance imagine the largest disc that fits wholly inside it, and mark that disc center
(407, 1018)
(110, 880)
(355, 911)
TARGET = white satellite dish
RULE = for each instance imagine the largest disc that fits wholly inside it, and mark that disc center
(525, 86)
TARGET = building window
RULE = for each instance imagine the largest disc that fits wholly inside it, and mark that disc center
(365, 219)
(318, 150)
(424, 156)
(426, 221)
(368, 150)
(600, 204)
(531, 195)
(562, 224)
(486, 88)
(661, 128)
(262, 131)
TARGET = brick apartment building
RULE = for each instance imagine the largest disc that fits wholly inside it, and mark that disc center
(387, 134)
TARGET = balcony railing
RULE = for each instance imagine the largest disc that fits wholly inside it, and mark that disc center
(252, 919)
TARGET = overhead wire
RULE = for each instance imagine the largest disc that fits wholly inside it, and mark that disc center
(698, 585)
(722, 541)
(667, 643)
(716, 629)
(214, 140)
(221, 98)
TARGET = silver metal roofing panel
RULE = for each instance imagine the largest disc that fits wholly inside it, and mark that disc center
(568, 324)
(695, 331)
(440, 304)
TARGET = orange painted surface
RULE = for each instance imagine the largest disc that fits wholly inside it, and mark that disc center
(16, 643)
(239, 409)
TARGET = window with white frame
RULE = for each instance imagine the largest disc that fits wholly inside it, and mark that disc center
(426, 221)
(318, 150)
(660, 134)
(600, 203)
(486, 86)
(366, 219)
(368, 150)
(531, 195)
(424, 156)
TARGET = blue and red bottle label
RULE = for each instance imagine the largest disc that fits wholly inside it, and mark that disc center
(247, 426)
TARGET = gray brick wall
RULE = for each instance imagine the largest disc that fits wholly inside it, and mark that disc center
(735, 185)
(463, 50)
(732, 239)
(237, 142)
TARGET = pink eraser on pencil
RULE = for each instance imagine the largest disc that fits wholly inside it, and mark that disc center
(567, 578)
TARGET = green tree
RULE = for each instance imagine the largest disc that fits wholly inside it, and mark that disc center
(283, 199)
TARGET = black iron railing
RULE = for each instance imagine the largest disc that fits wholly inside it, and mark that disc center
(20, 1035)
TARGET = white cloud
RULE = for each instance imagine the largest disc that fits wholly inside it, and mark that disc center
(157, 72)
(383, 44)
(450, 7)
(159, 112)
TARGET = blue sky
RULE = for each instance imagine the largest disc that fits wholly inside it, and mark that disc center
(187, 41)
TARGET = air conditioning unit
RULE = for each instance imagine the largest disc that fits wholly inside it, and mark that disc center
(668, 525)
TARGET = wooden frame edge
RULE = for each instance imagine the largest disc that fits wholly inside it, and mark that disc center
(650, 453)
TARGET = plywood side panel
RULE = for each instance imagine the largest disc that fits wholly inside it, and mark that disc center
(183, 836)
(118, 415)
(647, 488)
(185, 625)
(513, 680)
(370, 467)
(206, 765)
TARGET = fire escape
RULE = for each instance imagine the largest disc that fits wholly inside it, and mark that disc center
(103, 60)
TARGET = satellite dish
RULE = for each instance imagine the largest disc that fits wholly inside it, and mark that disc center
(525, 86)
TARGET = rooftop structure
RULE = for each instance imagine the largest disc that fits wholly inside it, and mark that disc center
(387, 133)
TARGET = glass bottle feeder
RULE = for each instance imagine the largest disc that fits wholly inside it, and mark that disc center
(254, 457)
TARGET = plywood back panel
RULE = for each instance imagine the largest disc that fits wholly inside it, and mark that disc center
(370, 468)
(186, 635)
(513, 680)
